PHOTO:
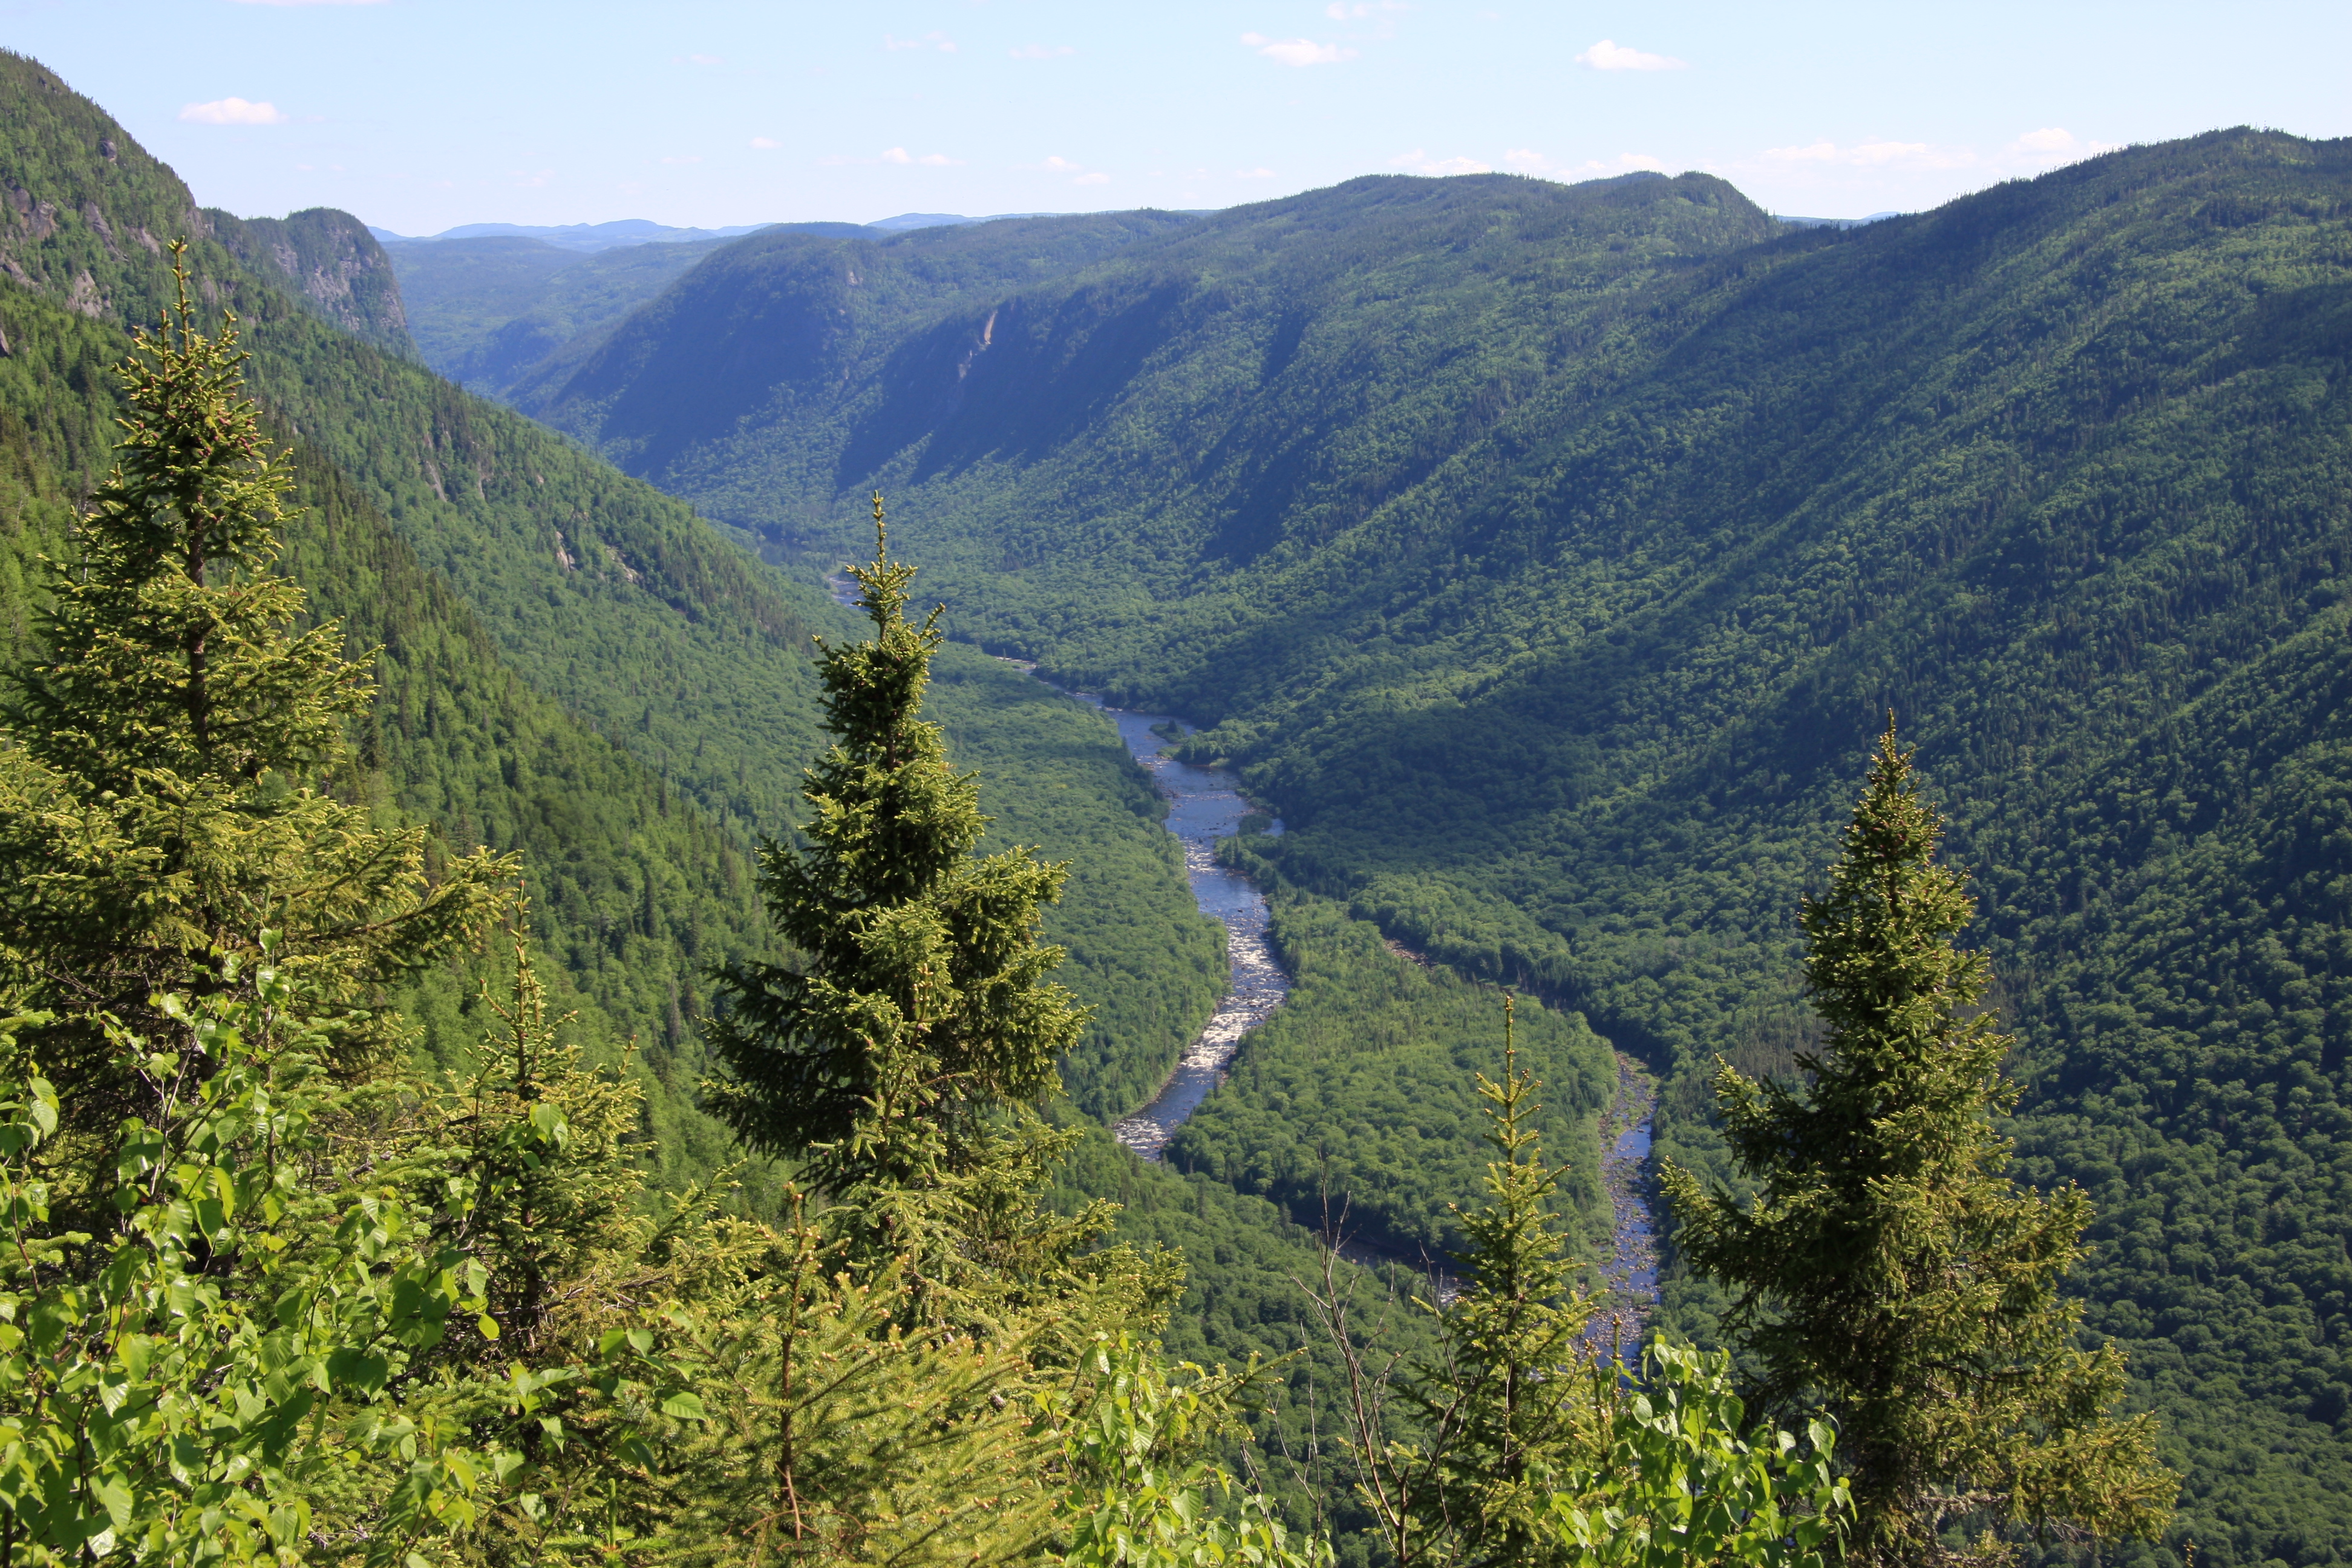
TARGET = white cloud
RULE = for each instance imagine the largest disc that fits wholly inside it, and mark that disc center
(1297, 51)
(1061, 165)
(938, 160)
(897, 156)
(1041, 51)
(1254, 175)
(231, 111)
(2055, 143)
(1096, 178)
(766, 143)
(1608, 54)
(1421, 163)
(934, 40)
(529, 181)
(900, 155)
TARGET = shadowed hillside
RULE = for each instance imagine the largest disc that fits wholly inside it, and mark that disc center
(1546, 557)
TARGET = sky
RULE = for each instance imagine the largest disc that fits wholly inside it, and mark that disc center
(419, 115)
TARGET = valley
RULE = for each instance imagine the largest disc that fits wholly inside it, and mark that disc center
(1473, 582)
(1545, 556)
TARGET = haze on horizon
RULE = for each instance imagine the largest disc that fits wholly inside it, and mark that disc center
(421, 115)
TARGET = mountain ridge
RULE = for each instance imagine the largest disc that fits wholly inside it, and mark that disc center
(1547, 558)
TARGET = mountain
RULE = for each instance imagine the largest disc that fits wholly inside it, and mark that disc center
(487, 311)
(587, 237)
(939, 220)
(573, 664)
(505, 314)
(1546, 556)
(329, 260)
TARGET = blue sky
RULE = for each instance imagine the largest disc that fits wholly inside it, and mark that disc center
(423, 114)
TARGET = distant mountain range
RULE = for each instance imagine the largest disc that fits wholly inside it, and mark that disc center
(589, 238)
(1834, 222)
(595, 237)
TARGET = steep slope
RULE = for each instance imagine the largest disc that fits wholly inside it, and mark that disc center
(328, 261)
(488, 311)
(1548, 555)
(764, 333)
(504, 313)
(589, 612)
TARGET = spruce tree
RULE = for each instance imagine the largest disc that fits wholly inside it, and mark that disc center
(1888, 1268)
(900, 1052)
(165, 788)
(1512, 1400)
(1517, 1383)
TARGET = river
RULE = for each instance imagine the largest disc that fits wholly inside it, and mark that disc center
(1203, 806)
(1629, 1283)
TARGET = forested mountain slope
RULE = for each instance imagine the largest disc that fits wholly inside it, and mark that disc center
(575, 665)
(488, 311)
(328, 261)
(764, 333)
(1546, 556)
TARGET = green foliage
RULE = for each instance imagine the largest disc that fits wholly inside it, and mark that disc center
(922, 996)
(1353, 1104)
(206, 1379)
(1518, 1330)
(1888, 1267)
(1652, 511)
(1139, 1495)
(1512, 1396)
(1681, 1485)
(160, 798)
(839, 1431)
(1245, 1265)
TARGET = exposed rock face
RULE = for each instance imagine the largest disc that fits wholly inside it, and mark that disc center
(85, 211)
(329, 260)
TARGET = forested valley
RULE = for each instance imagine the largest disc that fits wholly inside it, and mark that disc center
(1542, 556)
(1548, 558)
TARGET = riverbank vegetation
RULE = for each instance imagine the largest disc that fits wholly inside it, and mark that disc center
(1540, 552)
(274, 1293)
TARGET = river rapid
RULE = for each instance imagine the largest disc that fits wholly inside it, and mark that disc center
(1203, 806)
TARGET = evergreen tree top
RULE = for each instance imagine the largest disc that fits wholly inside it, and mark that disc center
(170, 653)
(1888, 1270)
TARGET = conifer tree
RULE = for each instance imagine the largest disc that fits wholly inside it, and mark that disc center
(1511, 1400)
(163, 791)
(1516, 1384)
(902, 1050)
(1888, 1267)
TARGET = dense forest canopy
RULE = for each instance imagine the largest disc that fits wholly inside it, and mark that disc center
(1540, 553)
(1543, 554)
